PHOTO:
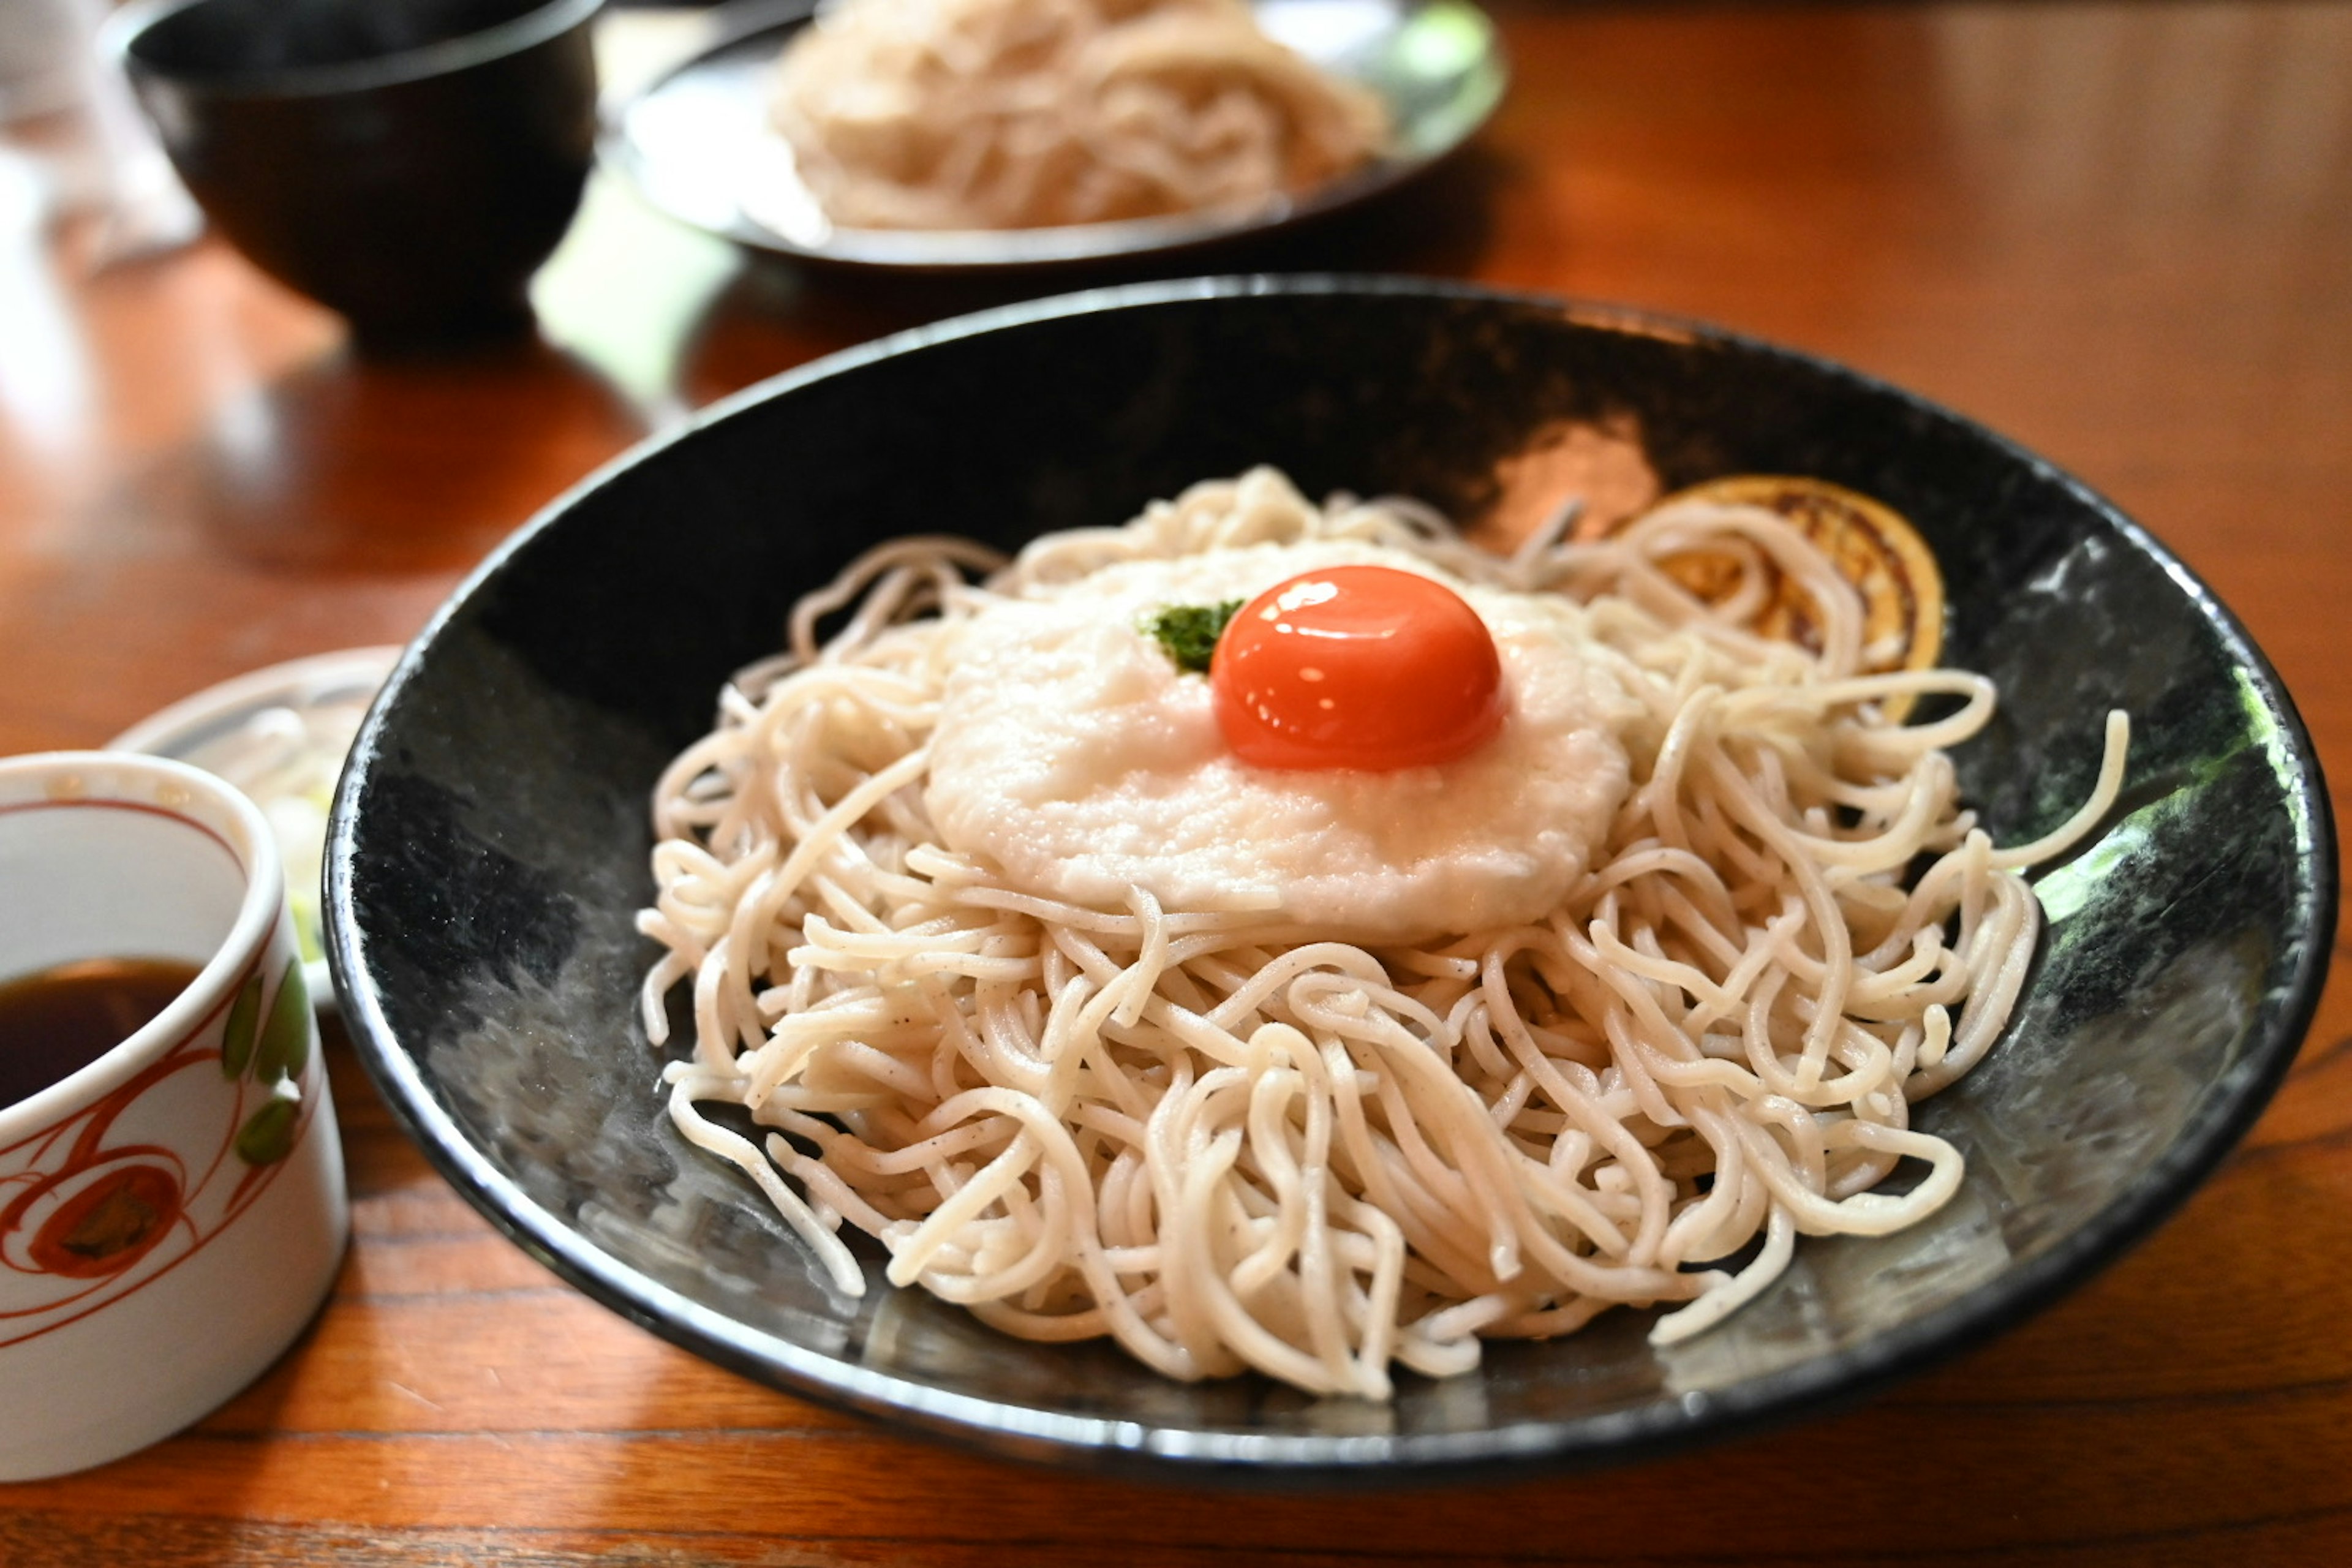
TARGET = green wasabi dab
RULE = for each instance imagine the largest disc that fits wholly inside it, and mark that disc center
(1189, 632)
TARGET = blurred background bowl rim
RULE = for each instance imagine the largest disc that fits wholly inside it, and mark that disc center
(545, 20)
(1810, 1388)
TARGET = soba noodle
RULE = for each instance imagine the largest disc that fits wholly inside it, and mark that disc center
(1230, 1144)
(949, 114)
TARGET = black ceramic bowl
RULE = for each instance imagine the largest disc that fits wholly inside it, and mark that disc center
(408, 163)
(489, 843)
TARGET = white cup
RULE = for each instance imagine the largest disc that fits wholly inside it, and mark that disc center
(172, 1213)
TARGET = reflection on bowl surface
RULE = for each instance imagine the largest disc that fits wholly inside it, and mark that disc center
(489, 845)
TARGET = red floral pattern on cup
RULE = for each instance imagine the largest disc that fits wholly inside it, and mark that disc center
(105, 1217)
(97, 1203)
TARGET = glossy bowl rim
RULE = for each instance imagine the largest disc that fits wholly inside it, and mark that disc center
(2225, 1113)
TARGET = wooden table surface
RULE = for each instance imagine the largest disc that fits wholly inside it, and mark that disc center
(2120, 232)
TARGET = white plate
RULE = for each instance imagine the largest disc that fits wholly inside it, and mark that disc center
(280, 735)
(697, 145)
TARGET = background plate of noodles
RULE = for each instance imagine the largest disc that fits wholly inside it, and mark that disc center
(489, 848)
(1003, 166)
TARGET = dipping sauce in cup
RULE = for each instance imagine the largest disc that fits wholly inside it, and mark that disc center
(172, 1203)
(57, 1021)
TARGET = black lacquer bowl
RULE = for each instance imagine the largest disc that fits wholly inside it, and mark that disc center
(407, 162)
(489, 844)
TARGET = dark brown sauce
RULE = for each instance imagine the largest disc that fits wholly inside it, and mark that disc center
(55, 1022)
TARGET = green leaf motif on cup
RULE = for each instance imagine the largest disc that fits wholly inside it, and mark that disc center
(268, 1135)
(276, 1049)
(286, 1037)
(243, 1019)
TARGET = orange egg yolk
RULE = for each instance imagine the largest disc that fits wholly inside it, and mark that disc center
(1356, 667)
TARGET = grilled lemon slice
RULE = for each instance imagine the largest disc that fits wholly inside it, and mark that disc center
(1869, 543)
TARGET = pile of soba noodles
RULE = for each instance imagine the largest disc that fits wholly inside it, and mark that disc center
(993, 114)
(1228, 1140)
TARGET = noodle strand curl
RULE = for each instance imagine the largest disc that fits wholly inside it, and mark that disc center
(1229, 1143)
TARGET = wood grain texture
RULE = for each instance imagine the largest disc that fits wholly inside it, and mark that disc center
(2120, 232)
